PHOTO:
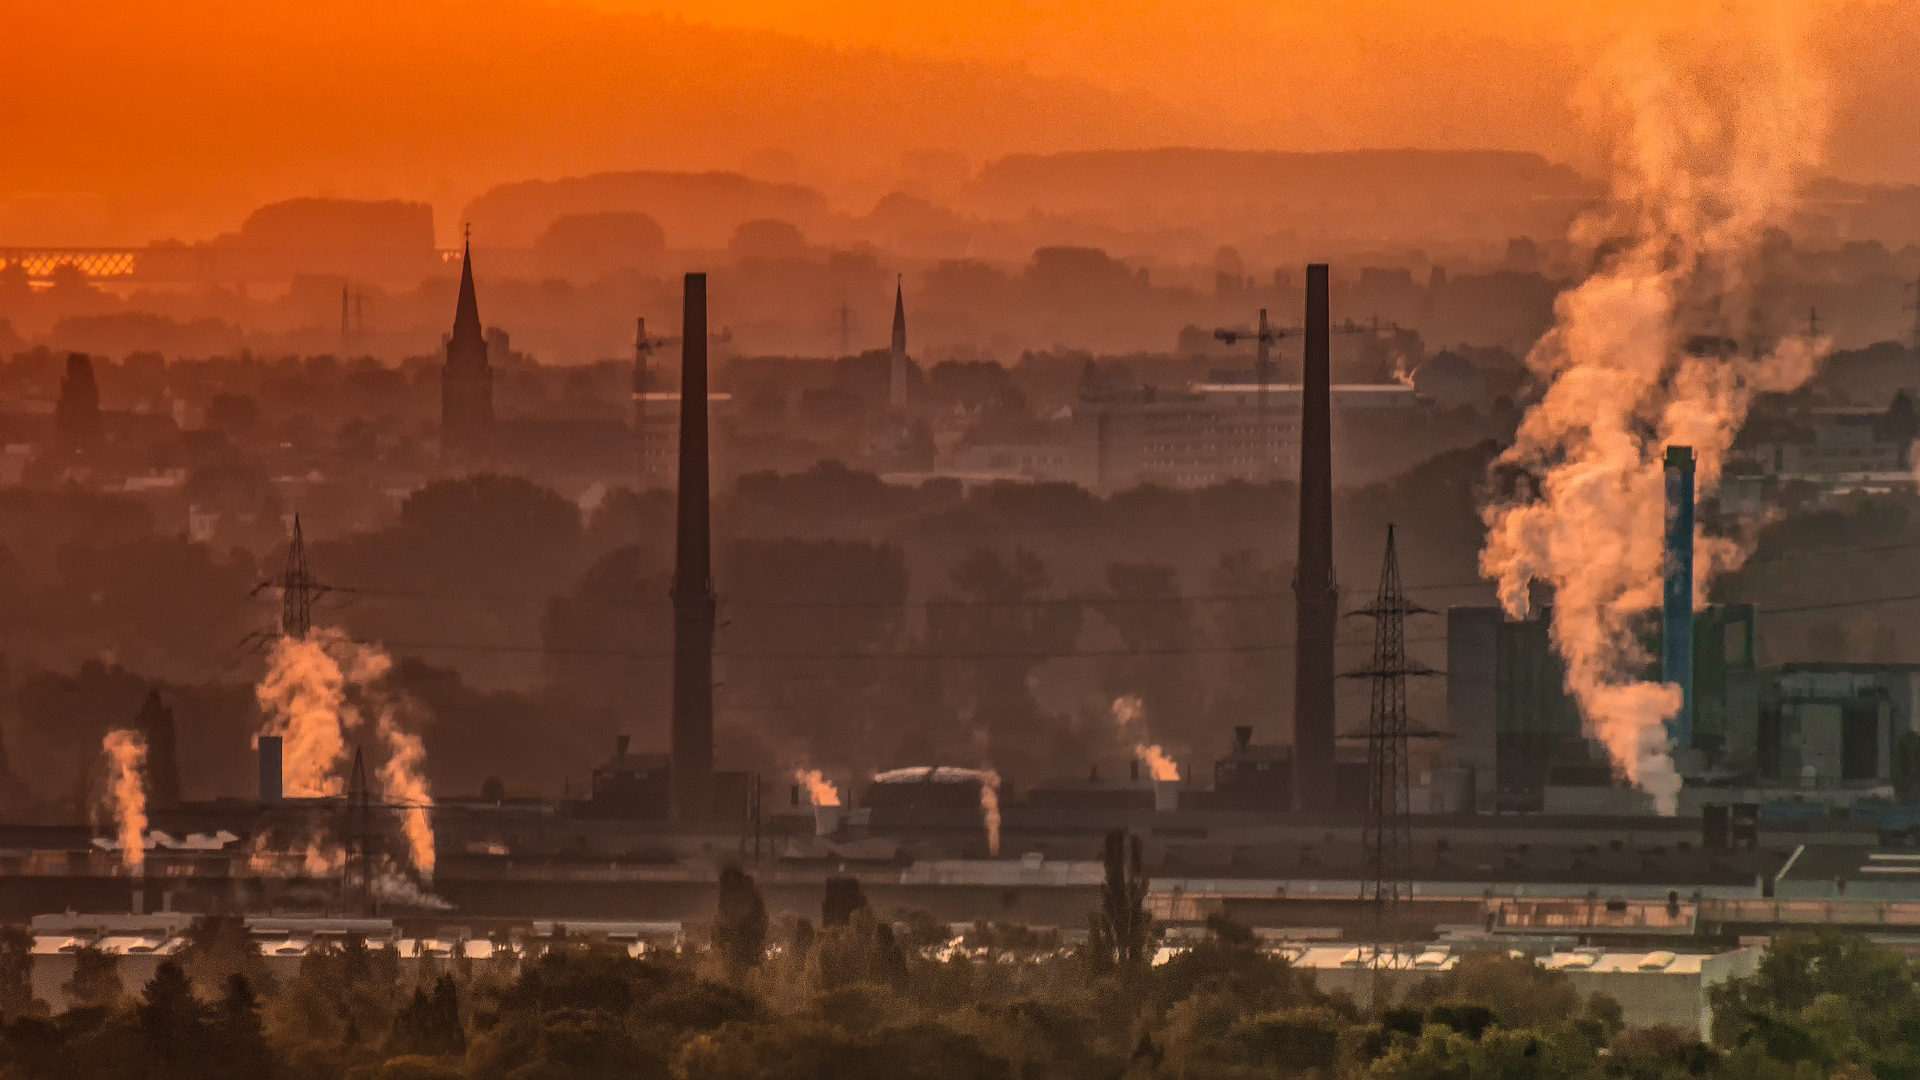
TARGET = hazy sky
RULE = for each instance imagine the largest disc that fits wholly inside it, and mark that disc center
(173, 118)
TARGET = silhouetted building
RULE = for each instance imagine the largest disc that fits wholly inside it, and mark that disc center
(632, 785)
(155, 723)
(897, 368)
(466, 382)
(76, 417)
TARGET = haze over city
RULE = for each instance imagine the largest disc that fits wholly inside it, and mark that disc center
(588, 538)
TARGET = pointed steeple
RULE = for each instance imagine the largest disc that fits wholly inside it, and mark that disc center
(897, 382)
(466, 315)
(466, 382)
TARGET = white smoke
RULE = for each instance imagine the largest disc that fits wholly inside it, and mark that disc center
(126, 754)
(1709, 157)
(820, 790)
(1130, 716)
(990, 809)
(317, 692)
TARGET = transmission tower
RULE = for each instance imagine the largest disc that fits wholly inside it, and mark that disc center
(358, 882)
(297, 589)
(1388, 836)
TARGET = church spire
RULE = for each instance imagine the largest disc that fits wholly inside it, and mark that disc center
(897, 388)
(466, 316)
(466, 380)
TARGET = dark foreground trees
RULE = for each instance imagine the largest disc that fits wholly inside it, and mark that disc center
(870, 997)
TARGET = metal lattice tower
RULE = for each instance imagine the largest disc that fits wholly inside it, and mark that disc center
(297, 589)
(1388, 836)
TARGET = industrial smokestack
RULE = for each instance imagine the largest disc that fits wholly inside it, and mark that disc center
(1316, 599)
(1676, 631)
(693, 605)
(268, 749)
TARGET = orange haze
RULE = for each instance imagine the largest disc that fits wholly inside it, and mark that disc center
(129, 119)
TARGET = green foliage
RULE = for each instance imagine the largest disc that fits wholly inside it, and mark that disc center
(16, 974)
(1827, 998)
(740, 921)
(842, 898)
(96, 979)
(1519, 992)
(1117, 933)
(851, 1002)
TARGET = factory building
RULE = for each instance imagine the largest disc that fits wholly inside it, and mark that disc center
(1826, 727)
(1513, 723)
(1207, 433)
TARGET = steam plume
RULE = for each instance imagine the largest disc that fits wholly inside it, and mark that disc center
(990, 809)
(404, 784)
(1708, 160)
(819, 789)
(308, 698)
(303, 700)
(126, 753)
(1130, 715)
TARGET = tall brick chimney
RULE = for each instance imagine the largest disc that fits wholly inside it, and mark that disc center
(693, 605)
(1317, 600)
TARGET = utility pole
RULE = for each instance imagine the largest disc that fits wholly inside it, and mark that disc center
(1813, 324)
(346, 328)
(1388, 835)
(846, 330)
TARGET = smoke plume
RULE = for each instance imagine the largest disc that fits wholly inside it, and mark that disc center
(990, 809)
(303, 700)
(317, 692)
(1708, 158)
(1130, 716)
(820, 790)
(126, 753)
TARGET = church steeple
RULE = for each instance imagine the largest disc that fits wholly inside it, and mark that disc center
(897, 387)
(467, 332)
(466, 380)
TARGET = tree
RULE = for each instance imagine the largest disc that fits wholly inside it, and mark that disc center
(1117, 936)
(16, 974)
(429, 1024)
(1520, 992)
(740, 925)
(96, 979)
(238, 1035)
(1156, 626)
(173, 1025)
(843, 897)
(219, 947)
(1005, 625)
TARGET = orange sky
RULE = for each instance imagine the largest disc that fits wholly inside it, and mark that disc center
(170, 119)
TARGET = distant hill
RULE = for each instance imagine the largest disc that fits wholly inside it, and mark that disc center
(696, 209)
(1404, 193)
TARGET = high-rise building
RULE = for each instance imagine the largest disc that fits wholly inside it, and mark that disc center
(466, 382)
